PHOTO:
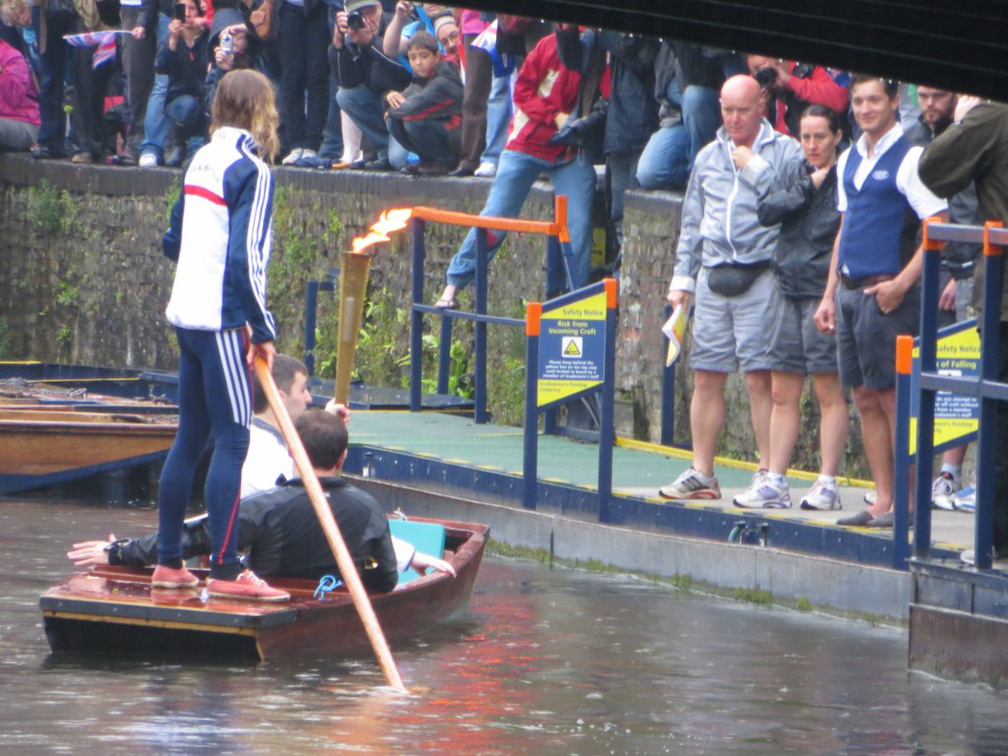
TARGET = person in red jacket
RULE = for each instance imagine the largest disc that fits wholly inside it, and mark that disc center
(545, 93)
(19, 110)
(791, 87)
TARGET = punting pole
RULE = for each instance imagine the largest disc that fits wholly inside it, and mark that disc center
(343, 559)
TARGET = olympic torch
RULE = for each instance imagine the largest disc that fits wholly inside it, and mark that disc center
(356, 266)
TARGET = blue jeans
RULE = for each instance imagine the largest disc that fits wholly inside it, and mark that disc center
(156, 124)
(498, 119)
(362, 105)
(186, 112)
(429, 139)
(516, 172)
(701, 112)
(332, 132)
(669, 154)
(664, 163)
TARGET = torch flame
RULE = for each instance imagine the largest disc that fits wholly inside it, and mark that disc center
(388, 222)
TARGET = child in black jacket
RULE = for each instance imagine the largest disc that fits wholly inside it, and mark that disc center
(426, 117)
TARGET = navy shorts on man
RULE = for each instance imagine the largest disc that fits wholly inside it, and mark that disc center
(866, 337)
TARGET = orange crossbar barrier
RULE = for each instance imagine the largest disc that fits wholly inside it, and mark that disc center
(548, 228)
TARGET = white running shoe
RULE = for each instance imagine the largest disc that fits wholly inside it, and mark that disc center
(691, 485)
(147, 160)
(943, 489)
(965, 499)
(486, 170)
(293, 156)
(764, 494)
(822, 496)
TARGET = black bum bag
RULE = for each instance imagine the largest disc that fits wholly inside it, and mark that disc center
(733, 279)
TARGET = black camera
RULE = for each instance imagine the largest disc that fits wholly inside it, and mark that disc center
(355, 20)
(766, 77)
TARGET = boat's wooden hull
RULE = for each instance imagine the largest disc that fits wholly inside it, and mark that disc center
(43, 447)
(115, 610)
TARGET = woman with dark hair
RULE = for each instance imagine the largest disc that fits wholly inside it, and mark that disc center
(220, 235)
(184, 58)
(804, 203)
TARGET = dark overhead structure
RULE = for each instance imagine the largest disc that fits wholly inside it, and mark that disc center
(962, 46)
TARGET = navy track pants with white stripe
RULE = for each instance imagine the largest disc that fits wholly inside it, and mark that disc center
(215, 409)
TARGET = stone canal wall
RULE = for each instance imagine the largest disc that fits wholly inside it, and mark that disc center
(83, 280)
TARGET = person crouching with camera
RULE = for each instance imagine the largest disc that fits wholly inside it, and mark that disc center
(364, 73)
(184, 58)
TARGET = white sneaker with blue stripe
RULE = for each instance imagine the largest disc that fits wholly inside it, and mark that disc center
(762, 493)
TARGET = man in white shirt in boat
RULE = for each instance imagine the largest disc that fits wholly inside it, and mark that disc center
(280, 531)
(267, 459)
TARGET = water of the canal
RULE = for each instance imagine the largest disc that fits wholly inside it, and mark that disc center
(546, 661)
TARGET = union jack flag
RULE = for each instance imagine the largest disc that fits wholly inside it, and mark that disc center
(104, 41)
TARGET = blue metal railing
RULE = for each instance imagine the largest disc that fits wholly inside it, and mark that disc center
(986, 389)
(558, 258)
(311, 310)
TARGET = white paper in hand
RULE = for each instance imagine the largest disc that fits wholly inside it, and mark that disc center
(675, 330)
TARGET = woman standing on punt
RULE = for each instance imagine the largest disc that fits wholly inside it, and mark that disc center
(220, 235)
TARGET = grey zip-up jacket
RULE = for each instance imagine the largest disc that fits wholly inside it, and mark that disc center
(719, 220)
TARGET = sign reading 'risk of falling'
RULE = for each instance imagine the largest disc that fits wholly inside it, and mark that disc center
(571, 349)
(956, 418)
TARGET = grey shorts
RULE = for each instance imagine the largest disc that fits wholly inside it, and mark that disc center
(797, 346)
(866, 338)
(733, 332)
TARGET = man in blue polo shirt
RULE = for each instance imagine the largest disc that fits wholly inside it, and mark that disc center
(873, 294)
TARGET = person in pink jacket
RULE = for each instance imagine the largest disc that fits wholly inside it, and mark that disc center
(19, 113)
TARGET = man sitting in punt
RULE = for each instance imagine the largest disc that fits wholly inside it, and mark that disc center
(280, 531)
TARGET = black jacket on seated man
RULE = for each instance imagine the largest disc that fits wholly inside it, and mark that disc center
(354, 65)
(282, 535)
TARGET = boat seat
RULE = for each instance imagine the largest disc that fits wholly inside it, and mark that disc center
(428, 537)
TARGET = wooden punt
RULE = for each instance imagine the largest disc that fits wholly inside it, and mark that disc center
(44, 396)
(87, 384)
(44, 446)
(115, 610)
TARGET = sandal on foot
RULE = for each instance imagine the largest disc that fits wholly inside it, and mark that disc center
(446, 304)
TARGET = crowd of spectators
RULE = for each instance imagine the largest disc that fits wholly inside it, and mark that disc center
(427, 89)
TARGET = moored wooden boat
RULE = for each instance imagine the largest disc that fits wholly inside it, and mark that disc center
(47, 446)
(115, 610)
(84, 383)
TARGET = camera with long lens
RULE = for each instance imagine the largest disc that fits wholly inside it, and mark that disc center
(355, 20)
(766, 77)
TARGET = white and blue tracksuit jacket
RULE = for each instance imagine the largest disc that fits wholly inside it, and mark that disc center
(220, 236)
